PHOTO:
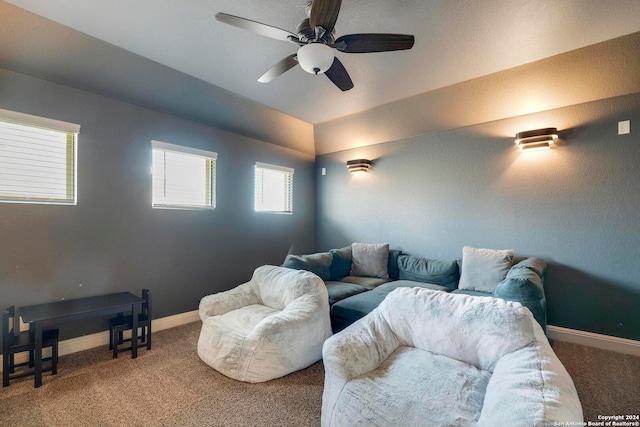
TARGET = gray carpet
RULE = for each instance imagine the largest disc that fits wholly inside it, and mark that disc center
(170, 386)
(167, 386)
(608, 383)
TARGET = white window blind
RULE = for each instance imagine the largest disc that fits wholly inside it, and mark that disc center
(37, 159)
(273, 188)
(183, 177)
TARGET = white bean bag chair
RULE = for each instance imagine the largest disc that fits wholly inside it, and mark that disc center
(266, 328)
(427, 358)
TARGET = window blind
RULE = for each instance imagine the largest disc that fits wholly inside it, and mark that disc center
(37, 159)
(273, 188)
(183, 177)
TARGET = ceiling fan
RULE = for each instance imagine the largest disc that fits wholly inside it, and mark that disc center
(316, 38)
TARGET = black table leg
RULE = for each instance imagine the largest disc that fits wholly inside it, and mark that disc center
(38, 355)
(135, 311)
(149, 333)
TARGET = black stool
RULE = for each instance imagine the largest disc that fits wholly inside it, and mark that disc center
(13, 343)
(124, 323)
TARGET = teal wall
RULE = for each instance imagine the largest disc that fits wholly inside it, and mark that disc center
(577, 206)
(113, 240)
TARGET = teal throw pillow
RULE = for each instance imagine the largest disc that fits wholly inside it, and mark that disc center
(443, 273)
(319, 264)
(341, 265)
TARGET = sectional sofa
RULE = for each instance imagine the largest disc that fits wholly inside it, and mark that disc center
(360, 276)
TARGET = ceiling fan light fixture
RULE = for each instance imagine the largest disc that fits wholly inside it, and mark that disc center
(315, 58)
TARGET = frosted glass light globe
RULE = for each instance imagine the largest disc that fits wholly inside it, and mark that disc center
(315, 58)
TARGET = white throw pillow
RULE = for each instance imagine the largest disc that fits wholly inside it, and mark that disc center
(484, 269)
(370, 260)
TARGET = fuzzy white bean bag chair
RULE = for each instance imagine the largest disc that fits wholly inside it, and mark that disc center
(428, 358)
(266, 328)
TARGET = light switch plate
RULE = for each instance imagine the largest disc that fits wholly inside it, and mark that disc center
(324, 171)
(624, 127)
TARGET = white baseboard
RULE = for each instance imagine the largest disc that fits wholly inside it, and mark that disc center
(87, 342)
(605, 342)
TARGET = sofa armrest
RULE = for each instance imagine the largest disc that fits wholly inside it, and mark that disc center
(224, 302)
(524, 284)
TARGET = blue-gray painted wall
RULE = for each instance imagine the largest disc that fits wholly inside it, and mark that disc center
(576, 206)
(113, 240)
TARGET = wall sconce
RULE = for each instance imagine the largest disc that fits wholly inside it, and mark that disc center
(359, 165)
(539, 139)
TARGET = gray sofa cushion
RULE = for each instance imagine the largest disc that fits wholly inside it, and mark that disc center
(370, 260)
(341, 290)
(341, 265)
(319, 264)
(367, 282)
(348, 310)
(443, 273)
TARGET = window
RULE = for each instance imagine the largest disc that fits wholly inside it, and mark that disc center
(183, 178)
(37, 159)
(274, 188)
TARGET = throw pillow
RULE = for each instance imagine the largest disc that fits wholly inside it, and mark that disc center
(443, 273)
(394, 273)
(319, 264)
(370, 260)
(483, 269)
(534, 264)
(341, 265)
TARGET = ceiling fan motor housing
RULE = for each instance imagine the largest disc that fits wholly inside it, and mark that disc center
(307, 34)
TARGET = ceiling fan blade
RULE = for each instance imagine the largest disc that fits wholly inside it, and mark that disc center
(324, 13)
(365, 43)
(280, 68)
(339, 76)
(257, 27)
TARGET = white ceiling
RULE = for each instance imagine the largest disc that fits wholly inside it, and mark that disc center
(456, 40)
